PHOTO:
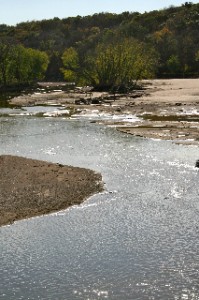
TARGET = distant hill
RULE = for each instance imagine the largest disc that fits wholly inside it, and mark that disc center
(173, 33)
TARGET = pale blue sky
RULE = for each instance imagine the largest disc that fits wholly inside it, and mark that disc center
(16, 11)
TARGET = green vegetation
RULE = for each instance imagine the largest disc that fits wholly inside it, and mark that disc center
(117, 64)
(20, 65)
(104, 50)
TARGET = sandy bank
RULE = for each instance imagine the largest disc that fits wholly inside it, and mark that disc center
(169, 110)
(29, 187)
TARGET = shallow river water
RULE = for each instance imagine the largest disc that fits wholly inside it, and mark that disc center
(136, 240)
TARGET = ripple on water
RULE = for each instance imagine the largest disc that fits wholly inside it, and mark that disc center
(136, 240)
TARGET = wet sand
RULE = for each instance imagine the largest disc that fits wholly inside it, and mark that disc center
(30, 187)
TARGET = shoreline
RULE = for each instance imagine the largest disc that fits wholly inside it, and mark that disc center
(30, 187)
(168, 109)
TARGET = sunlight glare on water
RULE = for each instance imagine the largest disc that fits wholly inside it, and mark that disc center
(136, 240)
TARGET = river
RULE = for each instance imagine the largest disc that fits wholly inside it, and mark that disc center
(136, 240)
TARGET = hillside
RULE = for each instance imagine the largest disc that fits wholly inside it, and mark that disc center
(172, 33)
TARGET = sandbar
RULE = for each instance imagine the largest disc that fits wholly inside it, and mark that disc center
(30, 187)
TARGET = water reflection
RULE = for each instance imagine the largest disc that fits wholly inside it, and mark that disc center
(137, 240)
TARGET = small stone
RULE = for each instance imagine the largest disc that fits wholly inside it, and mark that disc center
(197, 163)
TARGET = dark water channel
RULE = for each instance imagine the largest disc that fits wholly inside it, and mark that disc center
(136, 240)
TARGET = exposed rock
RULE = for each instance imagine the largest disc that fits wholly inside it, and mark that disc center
(197, 163)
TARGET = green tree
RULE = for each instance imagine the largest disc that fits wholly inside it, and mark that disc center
(20, 65)
(120, 64)
(5, 53)
(71, 68)
(53, 72)
(38, 62)
(173, 64)
(110, 65)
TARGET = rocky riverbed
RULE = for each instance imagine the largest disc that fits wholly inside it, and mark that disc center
(167, 109)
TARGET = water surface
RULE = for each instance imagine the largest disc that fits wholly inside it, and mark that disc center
(136, 240)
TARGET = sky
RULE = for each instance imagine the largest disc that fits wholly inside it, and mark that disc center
(16, 11)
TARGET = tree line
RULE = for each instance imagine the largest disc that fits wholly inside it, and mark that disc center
(20, 65)
(104, 50)
(116, 64)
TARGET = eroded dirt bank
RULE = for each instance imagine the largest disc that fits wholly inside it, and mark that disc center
(30, 187)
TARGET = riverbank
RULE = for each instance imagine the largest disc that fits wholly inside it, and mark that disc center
(30, 187)
(167, 109)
